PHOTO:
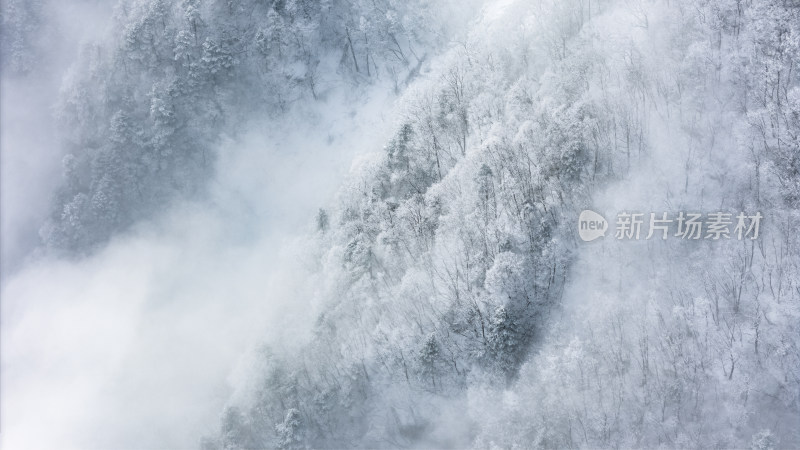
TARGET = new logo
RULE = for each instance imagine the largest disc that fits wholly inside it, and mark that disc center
(591, 225)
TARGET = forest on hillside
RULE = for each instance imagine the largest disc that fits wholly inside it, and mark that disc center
(408, 176)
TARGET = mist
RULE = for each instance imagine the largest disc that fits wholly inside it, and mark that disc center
(139, 345)
(354, 224)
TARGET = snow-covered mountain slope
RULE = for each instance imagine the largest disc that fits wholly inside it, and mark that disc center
(457, 305)
(439, 295)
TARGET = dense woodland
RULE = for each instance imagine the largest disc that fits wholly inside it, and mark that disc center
(141, 114)
(458, 307)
